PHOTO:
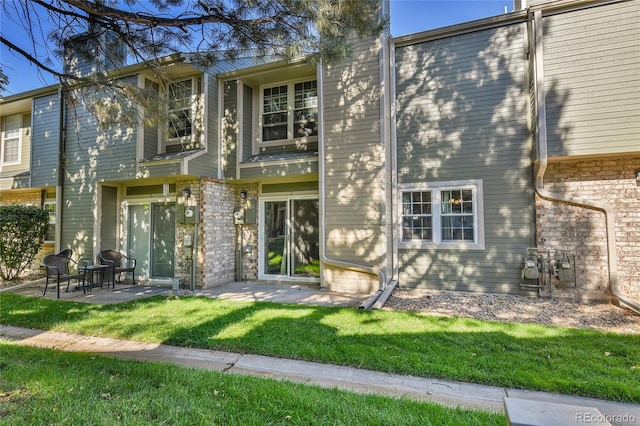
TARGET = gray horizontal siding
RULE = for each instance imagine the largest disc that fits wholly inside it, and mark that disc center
(290, 169)
(92, 155)
(445, 270)
(354, 160)
(207, 164)
(462, 113)
(229, 128)
(163, 169)
(247, 122)
(44, 141)
(151, 131)
(592, 79)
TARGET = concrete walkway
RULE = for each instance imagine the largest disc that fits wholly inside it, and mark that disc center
(489, 398)
(303, 294)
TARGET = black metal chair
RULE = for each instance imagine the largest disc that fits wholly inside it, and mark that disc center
(58, 269)
(120, 264)
(68, 253)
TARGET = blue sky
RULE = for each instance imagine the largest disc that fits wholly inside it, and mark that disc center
(407, 17)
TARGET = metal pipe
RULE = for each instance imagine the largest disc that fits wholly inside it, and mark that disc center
(61, 168)
(614, 281)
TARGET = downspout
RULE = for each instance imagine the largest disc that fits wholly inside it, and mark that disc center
(61, 168)
(195, 252)
(325, 259)
(614, 281)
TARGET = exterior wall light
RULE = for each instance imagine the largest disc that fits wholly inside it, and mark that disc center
(638, 177)
(243, 194)
(186, 192)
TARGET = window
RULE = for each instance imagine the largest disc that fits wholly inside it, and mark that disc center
(417, 221)
(457, 214)
(50, 207)
(180, 100)
(275, 115)
(11, 138)
(306, 109)
(184, 130)
(290, 111)
(442, 215)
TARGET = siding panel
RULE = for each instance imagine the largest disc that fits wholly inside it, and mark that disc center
(93, 154)
(592, 64)
(247, 122)
(207, 164)
(462, 112)
(44, 141)
(230, 129)
(354, 161)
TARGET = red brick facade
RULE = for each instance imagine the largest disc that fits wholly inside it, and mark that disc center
(562, 226)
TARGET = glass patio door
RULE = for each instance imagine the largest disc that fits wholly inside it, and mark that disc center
(290, 239)
(151, 239)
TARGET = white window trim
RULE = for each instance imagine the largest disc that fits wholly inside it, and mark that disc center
(193, 109)
(290, 111)
(3, 145)
(435, 187)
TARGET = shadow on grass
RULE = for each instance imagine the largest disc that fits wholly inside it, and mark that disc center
(578, 362)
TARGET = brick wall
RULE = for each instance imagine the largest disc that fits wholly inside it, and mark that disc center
(184, 264)
(23, 198)
(249, 241)
(217, 233)
(607, 181)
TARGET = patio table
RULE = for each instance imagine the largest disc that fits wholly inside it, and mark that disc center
(93, 275)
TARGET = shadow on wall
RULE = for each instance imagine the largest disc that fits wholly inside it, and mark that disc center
(462, 114)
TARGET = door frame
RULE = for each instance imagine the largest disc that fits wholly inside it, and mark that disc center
(125, 232)
(261, 237)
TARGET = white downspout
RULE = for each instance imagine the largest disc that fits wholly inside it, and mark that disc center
(325, 259)
(614, 281)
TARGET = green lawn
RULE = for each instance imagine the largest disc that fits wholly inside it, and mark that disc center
(39, 387)
(578, 362)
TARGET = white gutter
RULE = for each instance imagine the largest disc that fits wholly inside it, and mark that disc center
(614, 281)
(324, 258)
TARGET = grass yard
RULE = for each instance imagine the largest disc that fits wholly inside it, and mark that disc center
(527, 356)
(40, 387)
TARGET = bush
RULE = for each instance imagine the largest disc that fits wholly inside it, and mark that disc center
(21, 231)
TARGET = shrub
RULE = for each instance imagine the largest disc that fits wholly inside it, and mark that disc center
(21, 231)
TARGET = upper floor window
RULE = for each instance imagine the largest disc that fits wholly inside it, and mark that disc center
(185, 115)
(180, 109)
(290, 111)
(442, 215)
(11, 139)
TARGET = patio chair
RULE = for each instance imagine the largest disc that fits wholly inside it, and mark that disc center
(68, 253)
(120, 264)
(58, 269)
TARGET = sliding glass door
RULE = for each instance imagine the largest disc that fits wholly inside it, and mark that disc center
(290, 239)
(151, 239)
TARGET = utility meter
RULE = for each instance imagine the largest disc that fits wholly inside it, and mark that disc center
(238, 217)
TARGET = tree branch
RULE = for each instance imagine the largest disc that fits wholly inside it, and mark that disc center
(155, 21)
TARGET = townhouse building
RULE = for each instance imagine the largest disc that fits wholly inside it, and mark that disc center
(500, 155)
